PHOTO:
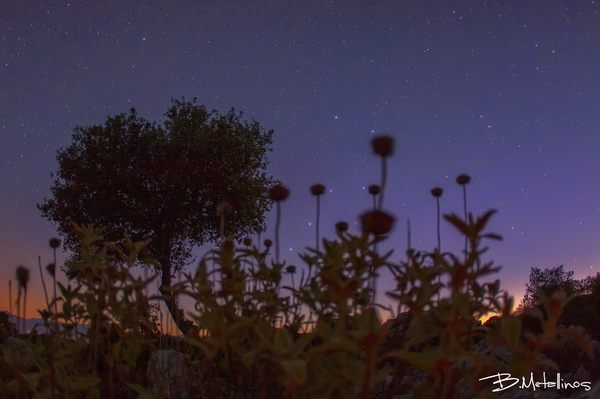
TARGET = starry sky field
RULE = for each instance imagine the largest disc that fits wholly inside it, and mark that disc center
(508, 94)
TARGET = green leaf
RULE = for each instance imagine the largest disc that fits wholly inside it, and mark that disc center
(144, 393)
(79, 383)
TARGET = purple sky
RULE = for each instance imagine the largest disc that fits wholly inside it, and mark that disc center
(507, 94)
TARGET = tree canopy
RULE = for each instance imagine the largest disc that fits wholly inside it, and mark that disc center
(548, 281)
(163, 181)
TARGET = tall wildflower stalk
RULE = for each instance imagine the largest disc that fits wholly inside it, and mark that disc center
(378, 222)
(437, 193)
(43, 282)
(22, 279)
(384, 147)
(10, 305)
(54, 243)
(278, 193)
(463, 180)
(317, 190)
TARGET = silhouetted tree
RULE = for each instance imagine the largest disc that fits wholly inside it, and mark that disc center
(548, 281)
(163, 181)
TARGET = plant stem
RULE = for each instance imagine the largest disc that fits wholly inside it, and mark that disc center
(277, 231)
(439, 241)
(54, 279)
(12, 333)
(318, 216)
(466, 221)
(383, 180)
(43, 282)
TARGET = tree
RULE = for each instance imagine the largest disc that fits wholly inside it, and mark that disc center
(548, 281)
(163, 181)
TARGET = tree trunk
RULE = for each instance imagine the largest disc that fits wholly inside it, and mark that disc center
(178, 314)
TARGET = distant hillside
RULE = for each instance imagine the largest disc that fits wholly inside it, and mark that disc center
(31, 323)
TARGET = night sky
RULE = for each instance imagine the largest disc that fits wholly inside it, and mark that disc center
(507, 94)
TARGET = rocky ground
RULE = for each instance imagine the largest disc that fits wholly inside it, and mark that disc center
(575, 369)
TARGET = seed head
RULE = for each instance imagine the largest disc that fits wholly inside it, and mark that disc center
(341, 226)
(278, 193)
(268, 243)
(463, 179)
(54, 242)
(437, 192)
(247, 241)
(377, 222)
(383, 145)
(51, 268)
(317, 189)
(22, 276)
(374, 189)
(224, 208)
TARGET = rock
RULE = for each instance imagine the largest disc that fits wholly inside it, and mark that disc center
(581, 329)
(503, 354)
(591, 394)
(545, 365)
(174, 366)
(24, 350)
(596, 347)
(482, 348)
(582, 375)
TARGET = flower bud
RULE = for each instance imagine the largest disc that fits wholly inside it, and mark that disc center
(377, 222)
(51, 268)
(54, 242)
(22, 276)
(341, 226)
(278, 193)
(374, 189)
(268, 243)
(383, 145)
(437, 192)
(291, 269)
(317, 189)
(463, 179)
(247, 241)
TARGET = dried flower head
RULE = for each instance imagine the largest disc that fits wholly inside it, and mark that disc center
(437, 192)
(22, 276)
(317, 189)
(383, 145)
(278, 193)
(341, 226)
(51, 268)
(268, 243)
(377, 222)
(54, 242)
(463, 179)
(224, 208)
(291, 269)
(374, 189)
(247, 241)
